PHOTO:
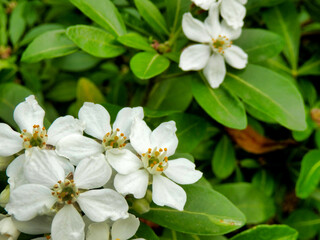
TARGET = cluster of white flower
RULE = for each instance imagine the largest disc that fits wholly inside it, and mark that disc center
(73, 187)
(216, 39)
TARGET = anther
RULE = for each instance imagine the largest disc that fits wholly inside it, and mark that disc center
(121, 134)
(118, 129)
(149, 150)
(165, 149)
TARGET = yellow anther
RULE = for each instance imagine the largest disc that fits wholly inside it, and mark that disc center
(165, 149)
(149, 156)
(149, 150)
(154, 162)
(151, 165)
(160, 150)
(121, 134)
(118, 129)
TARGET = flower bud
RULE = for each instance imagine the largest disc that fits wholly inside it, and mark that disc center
(8, 229)
(4, 196)
(141, 206)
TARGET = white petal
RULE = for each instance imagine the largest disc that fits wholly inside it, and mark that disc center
(62, 127)
(123, 160)
(140, 136)
(28, 113)
(194, 29)
(135, 183)
(212, 22)
(37, 225)
(194, 57)
(8, 229)
(92, 172)
(98, 231)
(242, 1)
(167, 193)
(15, 172)
(215, 71)
(42, 167)
(164, 136)
(125, 228)
(233, 12)
(96, 118)
(103, 204)
(182, 171)
(236, 57)
(77, 147)
(30, 200)
(204, 4)
(10, 140)
(125, 118)
(67, 225)
(230, 32)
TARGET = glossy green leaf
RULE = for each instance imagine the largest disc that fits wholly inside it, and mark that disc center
(145, 232)
(94, 41)
(51, 44)
(264, 181)
(271, 93)
(175, 10)
(220, 104)
(253, 6)
(206, 213)
(152, 15)
(17, 23)
(259, 115)
(88, 92)
(268, 232)
(135, 40)
(223, 160)
(3, 26)
(310, 67)
(249, 163)
(253, 202)
(146, 65)
(63, 91)
(171, 234)
(259, 44)
(309, 174)
(103, 13)
(283, 19)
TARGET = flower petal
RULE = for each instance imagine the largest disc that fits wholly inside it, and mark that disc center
(11, 142)
(125, 118)
(77, 147)
(230, 32)
(212, 22)
(164, 136)
(96, 118)
(8, 230)
(167, 193)
(103, 204)
(215, 71)
(92, 172)
(62, 127)
(30, 200)
(125, 228)
(194, 29)
(204, 4)
(123, 160)
(233, 12)
(42, 167)
(135, 183)
(98, 231)
(37, 225)
(67, 224)
(15, 172)
(194, 57)
(182, 171)
(28, 113)
(236, 57)
(140, 136)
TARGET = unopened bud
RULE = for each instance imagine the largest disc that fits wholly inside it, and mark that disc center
(141, 206)
(4, 196)
(4, 162)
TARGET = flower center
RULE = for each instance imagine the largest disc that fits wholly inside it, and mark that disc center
(114, 139)
(155, 161)
(66, 192)
(37, 138)
(220, 44)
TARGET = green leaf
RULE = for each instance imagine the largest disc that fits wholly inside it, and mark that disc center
(94, 41)
(170, 235)
(3, 26)
(264, 181)
(306, 222)
(145, 232)
(63, 91)
(249, 163)
(48, 45)
(268, 232)
(283, 19)
(223, 160)
(171, 94)
(309, 174)
(88, 92)
(135, 40)
(146, 65)
(206, 213)
(259, 44)
(11, 95)
(103, 13)
(310, 67)
(253, 6)
(152, 15)
(220, 104)
(17, 23)
(175, 10)
(269, 92)
(254, 203)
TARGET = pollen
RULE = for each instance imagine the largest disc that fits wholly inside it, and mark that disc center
(155, 161)
(114, 139)
(221, 43)
(37, 138)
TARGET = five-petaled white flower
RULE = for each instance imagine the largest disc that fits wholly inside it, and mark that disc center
(49, 191)
(152, 165)
(216, 46)
(97, 120)
(121, 229)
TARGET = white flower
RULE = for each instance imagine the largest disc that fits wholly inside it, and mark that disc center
(121, 229)
(151, 164)
(8, 230)
(50, 191)
(232, 11)
(97, 120)
(216, 47)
